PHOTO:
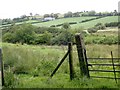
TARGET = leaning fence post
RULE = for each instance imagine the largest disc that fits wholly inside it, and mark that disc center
(59, 64)
(71, 60)
(80, 47)
(2, 73)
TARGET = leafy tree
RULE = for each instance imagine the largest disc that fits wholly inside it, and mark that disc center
(55, 16)
(63, 38)
(20, 33)
(76, 14)
(46, 15)
(69, 14)
(44, 38)
(91, 13)
(25, 34)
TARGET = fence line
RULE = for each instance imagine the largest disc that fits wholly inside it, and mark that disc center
(112, 64)
(102, 59)
(104, 71)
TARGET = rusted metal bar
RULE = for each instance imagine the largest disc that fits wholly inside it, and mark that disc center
(102, 59)
(104, 71)
(104, 64)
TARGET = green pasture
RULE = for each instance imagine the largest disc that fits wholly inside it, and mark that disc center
(86, 25)
(78, 19)
(94, 22)
(63, 20)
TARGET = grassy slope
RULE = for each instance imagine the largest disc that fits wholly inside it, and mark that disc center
(93, 22)
(47, 57)
(60, 21)
(85, 24)
(75, 19)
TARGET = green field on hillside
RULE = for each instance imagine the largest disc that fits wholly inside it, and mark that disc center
(63, 20)
(93, 22)
(78, 20)
(86, 25)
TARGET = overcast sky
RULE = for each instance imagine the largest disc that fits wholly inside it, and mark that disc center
(16, 8)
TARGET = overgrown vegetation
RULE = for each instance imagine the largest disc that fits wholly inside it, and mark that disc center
(29, 34)
(33, 64)
(34, 60)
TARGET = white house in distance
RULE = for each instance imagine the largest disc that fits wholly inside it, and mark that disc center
(48, 19)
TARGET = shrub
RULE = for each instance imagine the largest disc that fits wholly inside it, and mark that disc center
(112, 24)
(43, 38)
(66, 26)
(63, 38)
(9, 37)
(52, 26)
(99, 26)
(20, 33)
(92, 30)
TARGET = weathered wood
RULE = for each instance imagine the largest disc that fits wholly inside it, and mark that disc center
(86, 64)
(2, 73)
(80, 47)
(71, 60)
(59, 64)
(113, 67)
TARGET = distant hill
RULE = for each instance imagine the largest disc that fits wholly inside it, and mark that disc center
(75, 22)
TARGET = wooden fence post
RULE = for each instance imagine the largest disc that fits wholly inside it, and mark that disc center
(71, 60)
(2, 73)
(81, 56)
(59, 64)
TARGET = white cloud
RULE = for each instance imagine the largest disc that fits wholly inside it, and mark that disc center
(14, 8)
